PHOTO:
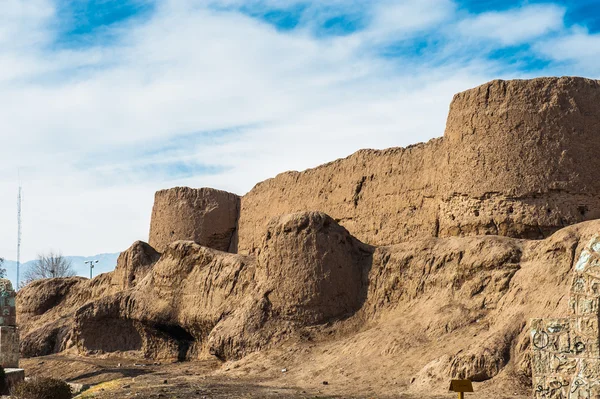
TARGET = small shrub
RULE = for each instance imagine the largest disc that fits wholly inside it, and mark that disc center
(43, 388)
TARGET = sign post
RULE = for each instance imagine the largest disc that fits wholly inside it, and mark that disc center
(461, 386)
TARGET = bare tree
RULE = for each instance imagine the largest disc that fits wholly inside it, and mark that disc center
(48, 266)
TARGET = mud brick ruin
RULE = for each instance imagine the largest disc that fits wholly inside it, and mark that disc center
(9, 333)
(566, 351)
(420, 264)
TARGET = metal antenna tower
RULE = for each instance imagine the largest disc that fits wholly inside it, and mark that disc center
(19, 198)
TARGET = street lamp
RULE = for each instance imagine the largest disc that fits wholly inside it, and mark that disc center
(91, 262)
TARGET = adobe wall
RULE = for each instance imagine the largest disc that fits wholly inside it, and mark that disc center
(518, 158)
(204, 215)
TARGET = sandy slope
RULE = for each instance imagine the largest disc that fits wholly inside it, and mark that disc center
(433, 309)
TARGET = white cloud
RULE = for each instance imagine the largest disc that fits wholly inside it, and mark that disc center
(83, 123)
(576, 46)
(514, 26)
(16, 15)
(393, 20)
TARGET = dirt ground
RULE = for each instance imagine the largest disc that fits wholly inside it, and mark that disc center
(125, 378)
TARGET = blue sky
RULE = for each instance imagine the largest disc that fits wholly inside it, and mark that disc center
(103, 23)
(104, 102)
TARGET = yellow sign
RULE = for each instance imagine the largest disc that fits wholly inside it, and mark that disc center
(461, 386)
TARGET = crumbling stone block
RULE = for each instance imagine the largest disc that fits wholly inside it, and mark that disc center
(9, 347)
(8, 313)
(205, 215)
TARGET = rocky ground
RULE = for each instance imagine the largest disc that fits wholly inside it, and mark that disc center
(124, 378)
(431, 310)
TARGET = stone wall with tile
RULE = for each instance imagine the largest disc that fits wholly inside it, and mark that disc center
(9, 332)
(566, 351)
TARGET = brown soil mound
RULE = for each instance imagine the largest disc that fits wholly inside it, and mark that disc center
(418, 313)
(311, 271)
(436, 309)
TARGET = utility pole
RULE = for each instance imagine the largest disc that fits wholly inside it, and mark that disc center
(91, 262)
(18, 232)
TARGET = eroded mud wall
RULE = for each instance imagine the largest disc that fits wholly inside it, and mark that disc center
(518, 158)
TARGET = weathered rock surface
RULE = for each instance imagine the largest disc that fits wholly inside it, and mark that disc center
(420, 311)
(196, 301)
(440, 308)
(134, 264)
(46, 308)
(312, 269)
(171, 311)
(518, 158)
(205, 215)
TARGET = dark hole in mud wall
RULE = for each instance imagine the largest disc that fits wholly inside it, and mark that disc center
(182, 338)
(111, 335)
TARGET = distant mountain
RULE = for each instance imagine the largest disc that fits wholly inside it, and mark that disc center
(106, 263)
